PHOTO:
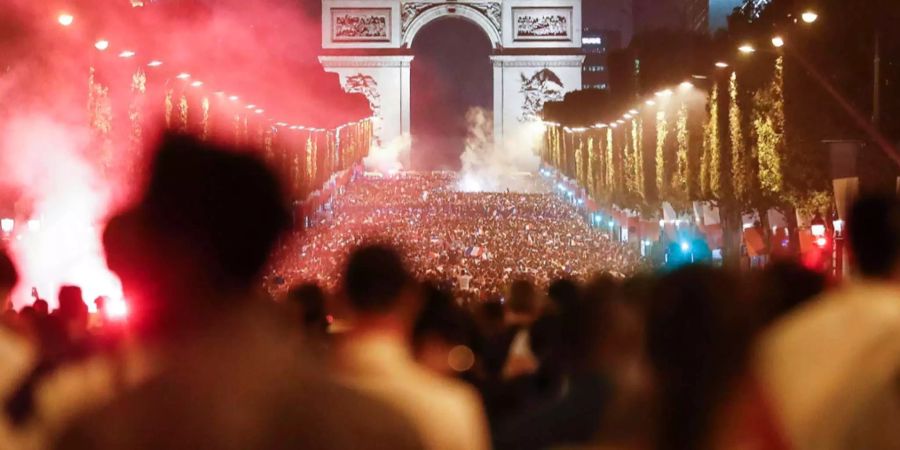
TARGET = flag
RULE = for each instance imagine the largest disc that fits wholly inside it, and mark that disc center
(474, 252)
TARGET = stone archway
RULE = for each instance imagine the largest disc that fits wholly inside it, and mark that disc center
(487, 16)
(536, 57)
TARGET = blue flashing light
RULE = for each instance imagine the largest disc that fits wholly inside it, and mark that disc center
(685, 247)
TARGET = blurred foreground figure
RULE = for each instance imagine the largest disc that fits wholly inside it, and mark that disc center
(218, 369)
(376, 356)
(831, 369)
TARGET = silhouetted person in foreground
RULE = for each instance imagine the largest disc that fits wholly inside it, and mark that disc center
(830, 369)
(697, 342)
(376, 356)
(575, 416)
(217, 369)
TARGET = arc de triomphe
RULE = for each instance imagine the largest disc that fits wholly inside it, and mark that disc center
(536, 53)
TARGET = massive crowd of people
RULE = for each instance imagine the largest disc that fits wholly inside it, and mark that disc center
(696, 358)
(472, 243)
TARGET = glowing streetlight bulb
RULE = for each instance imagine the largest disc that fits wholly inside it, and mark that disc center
(620, 122)
(154, 63)
(233, 98)
(197, 83)
(614, 125)
(778, 41)
(65, 19)
(664, 93)
(746, 49)
(722, 65)
(260, 110)
(627, 116)
(183, 76)
(101, 45)
(633, 112)
(251, 106)
(650, 103)
(809, 16)
(126, 54)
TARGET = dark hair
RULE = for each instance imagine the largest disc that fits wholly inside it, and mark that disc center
(229, 205)
(71, 302)
(374, 278)
(9, 276)
(564, 293)
(874, 233)
(441, 317)
(522, 297)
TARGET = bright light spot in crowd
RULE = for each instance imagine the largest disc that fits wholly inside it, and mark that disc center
(650, 103)
(7, 225)
(664, 93)
(65, 19)
(821, 242)
(154, 63)
(818, 230)
(778, 41)
(685, 247)
(746, 49)
(34, 225)
(251, 106)
(233, 98)
(686, 85)
(699, 77)
(219, 93)
(197, 83)
(810, 17)
(601, 125)
(722, 65)
(260, 110)
(627, 116)
(611, 224)
(126, 54)
(281, 124)
(633, 112)
(101, 45)
(183, 76)
(614, 125)
(461, 358)
(116, 309)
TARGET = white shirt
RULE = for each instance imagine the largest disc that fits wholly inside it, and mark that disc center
(446, 412)
(832, 370)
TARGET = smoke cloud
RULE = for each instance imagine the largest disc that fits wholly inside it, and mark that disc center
(57, 181)
(388, 159)
(489, 166)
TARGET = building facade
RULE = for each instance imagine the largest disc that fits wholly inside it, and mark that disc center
(596, 45)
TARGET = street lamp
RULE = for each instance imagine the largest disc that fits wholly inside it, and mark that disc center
(722, 65)
(778, 41)
(65, 19)
(746, 49)
(809, 16)
(101, 45)
(686, 85)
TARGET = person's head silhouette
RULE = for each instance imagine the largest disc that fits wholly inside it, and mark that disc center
(201, 234)
(378, 288)
(874, 233)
